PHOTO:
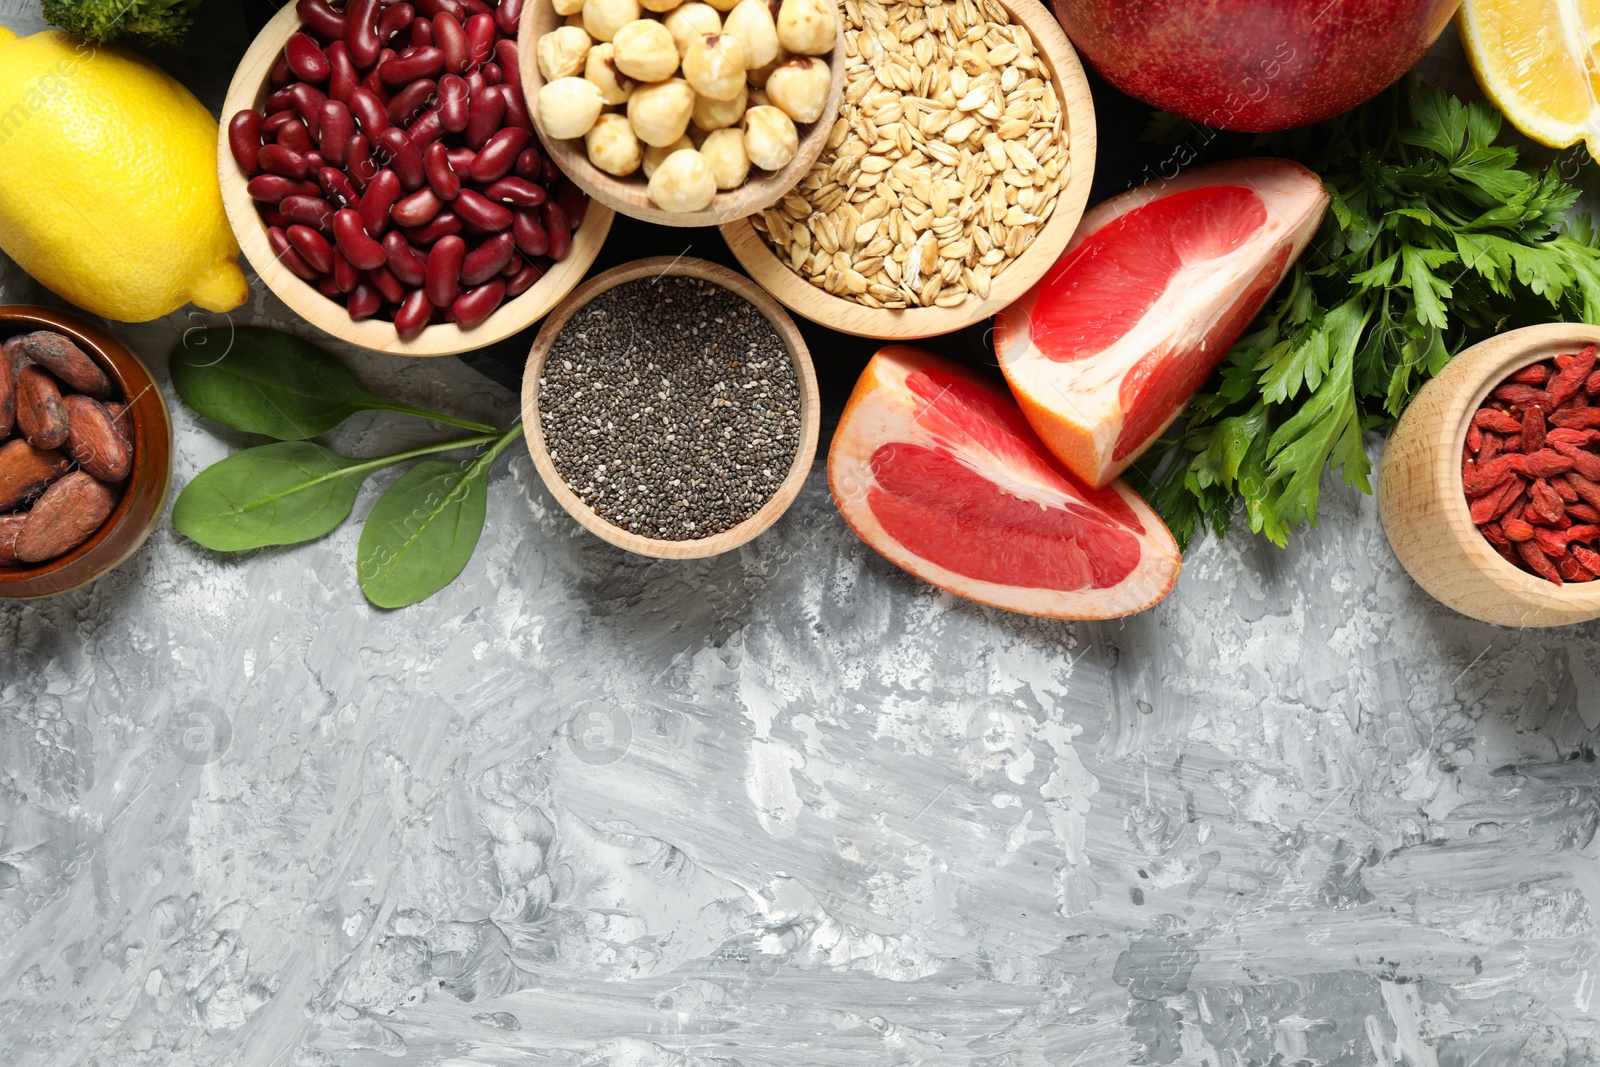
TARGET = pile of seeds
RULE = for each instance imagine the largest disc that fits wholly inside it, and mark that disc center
(944, 164)
(670, 406)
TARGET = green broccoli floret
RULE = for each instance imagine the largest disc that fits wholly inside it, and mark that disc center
(148, 22)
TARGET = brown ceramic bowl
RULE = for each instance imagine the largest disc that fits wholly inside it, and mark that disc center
(145, 493)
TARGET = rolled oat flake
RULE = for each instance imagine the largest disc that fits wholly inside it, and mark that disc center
(670, 406)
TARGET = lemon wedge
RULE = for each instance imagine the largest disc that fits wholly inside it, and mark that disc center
(1536, 60)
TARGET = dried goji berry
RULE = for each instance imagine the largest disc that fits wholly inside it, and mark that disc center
(1551, 542)
(1582, 512)
(1575, 370)
(1474, 439)
(1592, 384)
(1496, 420)
(1532, 430)
(1495, 534)
(1567, 494)
(1491, 446)
(1584, 533)
(1478, 478)
(1495, 503)
(1524, 396)
(1545, 463)
(1584, 462)
(1577, 418)
(1529, 551)
(1536, 374)
(1563, 436)
(1571, 570)
(1587, 491)
(1517, 530)
(1544, 504)
(1586, 556)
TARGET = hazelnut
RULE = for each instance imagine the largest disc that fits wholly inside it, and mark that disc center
(770, 139)
(660, 111)
(751, 22)
(800, 88)
(603, 18)
(714, 65)
(724, 150)
(653, 155)
(601, 69)
(690, 22)
(612, 146)
(562, 52)
(568, 107)
(645, 51)
(659, 6)
(805, 27)
(756, 98)
(758, 75)
(712, 114)
(568, 7)
(683, 182)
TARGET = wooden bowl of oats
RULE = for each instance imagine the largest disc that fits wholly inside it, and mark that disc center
(940, 223)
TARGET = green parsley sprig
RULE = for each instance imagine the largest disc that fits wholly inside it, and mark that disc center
(1435, 238)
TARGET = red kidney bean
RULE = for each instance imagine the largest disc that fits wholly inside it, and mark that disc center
(342, 74)
(404, 157)
(358, 161)
(278, 101)
(485, 114)
(395, 19)
(487, 260)
(337, 127)
(315, 161)
(498, 155)
(516, 107)
(479, 31)
(321, 19)
(418, 209)
(361, 32)
(474, 7)
(365, 300)
(387, 284)
(337, 187)
(573, 201)
(374, 84)
(404, 263)
(524, 279)
(453, 107)
(281, 74)
(306, 59)
(514, 264)
(272, 216)
(277, 120)
(531, 238)
(244, 140)
(475, 82)
(491, 73)
(518, 192)
(328, 286)
(272, 188)
(411, 101)
(383, 192)
(276, 159)
(313, 248)
(461, 159)
(552, 173)
(560, 231)
(345, 275)
(444, 224)
(421, 33)
(433, 8)
(510, 64)
(443, 282)
(426, 130)
(507, 16)
(413, 315)
(368, 111)
(441, 178)
(294, 136)
(307, 101)
(451, 39)
(479, 212)
(360, 249)
(307, 211)
(403, 70)
(471, 308)
(530, 165)
(288, 256)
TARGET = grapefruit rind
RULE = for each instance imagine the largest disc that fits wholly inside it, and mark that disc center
(1075, 402)
(884, 410)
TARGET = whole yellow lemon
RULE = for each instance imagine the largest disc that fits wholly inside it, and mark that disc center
(108, 181)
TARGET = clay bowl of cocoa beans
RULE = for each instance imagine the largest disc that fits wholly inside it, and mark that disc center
(85, 452)
(382, 175)
(1489, 487)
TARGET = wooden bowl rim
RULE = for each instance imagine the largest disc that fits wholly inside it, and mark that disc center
(248, 89)
(805, 374)
(628, 196)
(756, 256)
(1491, 362)
(144, 494)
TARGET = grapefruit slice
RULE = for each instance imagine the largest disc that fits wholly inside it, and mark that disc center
(937, 470)
(1152, 291)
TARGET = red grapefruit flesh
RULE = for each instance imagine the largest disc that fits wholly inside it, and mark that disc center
(937, 470)
(1152, 291)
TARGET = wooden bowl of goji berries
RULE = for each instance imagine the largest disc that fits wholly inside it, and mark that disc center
(1489, 489)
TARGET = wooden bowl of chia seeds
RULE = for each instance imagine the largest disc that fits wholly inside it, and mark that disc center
(671, 407)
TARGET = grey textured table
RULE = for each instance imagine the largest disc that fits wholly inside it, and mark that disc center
(784, 807)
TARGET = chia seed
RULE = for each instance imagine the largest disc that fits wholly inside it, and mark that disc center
(670, 406)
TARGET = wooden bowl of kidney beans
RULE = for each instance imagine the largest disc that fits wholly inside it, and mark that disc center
(384, 179)
(1489, 487)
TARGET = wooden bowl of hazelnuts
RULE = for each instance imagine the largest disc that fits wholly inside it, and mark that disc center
(683, 113)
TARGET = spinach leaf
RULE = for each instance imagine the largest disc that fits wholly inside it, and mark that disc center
(274, 383)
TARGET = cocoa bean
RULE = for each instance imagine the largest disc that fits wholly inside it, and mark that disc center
(121, 420)
(41, 416)
(61, 357)
(94, 441)
(10, 526)
(70, 510)
(25, 471)
(8, 399)
(11, 352)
